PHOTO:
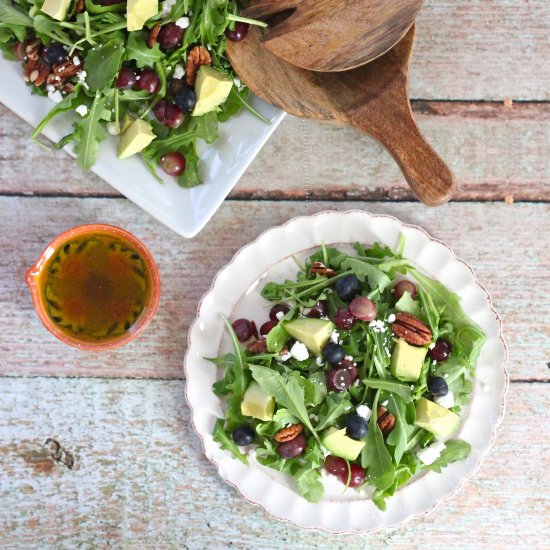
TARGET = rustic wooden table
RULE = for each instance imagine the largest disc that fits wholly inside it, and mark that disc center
(140, 479)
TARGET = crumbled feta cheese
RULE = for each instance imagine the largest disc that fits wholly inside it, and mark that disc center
(432, 345)
(82, 110)
(325, 318)
(385, 403)
(356, 383)
(183, 22)
(434, 362)
(377, 325)
(412, 386)
(55, 96)
(81, 75)
(285, 356)
(113, 128)
(446, 401)
(167, 7)
(50, 88)
(299, 351)
(179, 71)
(279, 315)
(348, 357)
(363, 411)
(391, 318)
(319, 362)
(76, 60)
(430, 454)
(334, 337)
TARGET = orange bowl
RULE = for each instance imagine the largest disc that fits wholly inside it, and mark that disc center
(34, 274)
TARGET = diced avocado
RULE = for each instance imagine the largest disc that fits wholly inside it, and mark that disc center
(406, 361)
(257, 403)
(136, 137)
(138, 11)
(435, 418)
(339, 444)
(313, 333)
(56, 9)
(211, 90)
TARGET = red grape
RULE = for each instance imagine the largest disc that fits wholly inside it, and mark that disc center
(294, 447)
(279, 308)
(240, 32)
(149, 81)
(356, 478)
(170, 36)
(266, 327)
(441, 351)
(343, 318)
(348, 365)
(336, 466)
(126, 79)
(243, 329)
(363, 308)
(318, 310)
(168, 114)
(173, 163)
(339, 379)
(404, 286)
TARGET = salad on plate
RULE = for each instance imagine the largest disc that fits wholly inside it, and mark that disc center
(154, 74)
(359, 376)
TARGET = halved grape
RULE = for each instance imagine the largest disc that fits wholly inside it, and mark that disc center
(363, 308)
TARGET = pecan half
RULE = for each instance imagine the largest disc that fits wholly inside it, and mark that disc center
(411, 329)
(33, 49)
(36, 72)
(385, 420)
(68, 68)
(196, 57)
(321, 269)
(288, 434)
(257, 346)
(153, 35)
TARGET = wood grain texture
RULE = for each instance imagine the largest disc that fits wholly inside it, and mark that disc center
(494, 151)
(329, 35)
(141, 481)
(373, 98)
(504, 244)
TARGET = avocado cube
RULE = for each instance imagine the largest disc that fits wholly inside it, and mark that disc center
(56, 9)
(136, 137)
(257, 404)
(339, 444)
(313, 333)
(407, 361)
(435, 418)
(211, 88)
(138, 12)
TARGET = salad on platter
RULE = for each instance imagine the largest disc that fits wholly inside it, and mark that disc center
(359, 376)
(155, 75)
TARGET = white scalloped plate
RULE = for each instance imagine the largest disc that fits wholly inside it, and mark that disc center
(235, 292)
(185, 211)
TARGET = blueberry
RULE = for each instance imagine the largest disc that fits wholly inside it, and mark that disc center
(347, 287)
(333, 353)
(55, 53)
(437, 386)
(243, 435)
(185, 99)
(356, 427)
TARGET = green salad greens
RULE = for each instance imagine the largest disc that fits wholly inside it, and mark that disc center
(116, 62)
(360, 373)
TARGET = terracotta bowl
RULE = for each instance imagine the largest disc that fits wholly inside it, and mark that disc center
(33, 276)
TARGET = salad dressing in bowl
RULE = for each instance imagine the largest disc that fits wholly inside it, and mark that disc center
(95, 287)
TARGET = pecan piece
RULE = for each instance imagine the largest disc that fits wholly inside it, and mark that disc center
(79, 6)
(68, 68)
(411, 329)
(288, 434)
(36, 72)
(33, 49)
(321, 269)
(257, 346)
(385, 420)
(196, 57)
(153, 35)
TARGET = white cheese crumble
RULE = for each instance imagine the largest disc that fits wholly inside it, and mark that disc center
(432, 345)
(446, 401)
(391, 318)
(50, 88)
(179, 71)
(319, 362)
(385, 403)
(334, 337)
(377, 325)
(183, 22)
(430, 454)
(279, 315)
(299, 351)
(76, 60)
(167, 7)
(113, 128)
(82, 110)
(55, 96)
(363, 411)
(285, 357)
(348, 357)
(81, 75)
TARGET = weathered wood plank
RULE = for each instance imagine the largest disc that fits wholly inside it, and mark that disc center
(505, 244)
(141, 481)
(495, 152)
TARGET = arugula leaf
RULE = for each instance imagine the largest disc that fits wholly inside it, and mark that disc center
(13, 15)
(375, 457)
(69, 103)
(191, 176)
(89, 133)
(283, 416)
(277, 338)
(286, 392)
(455, 450)
(399, 436)
(219, 434)
(364, 271)
(406, 304)
(335, 405)
(137, 50)
(456, 376)
(103, 64)
(399, 388)
(205, 127)
(308, 484)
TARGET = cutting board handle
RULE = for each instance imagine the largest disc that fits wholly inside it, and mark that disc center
(430, 179)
